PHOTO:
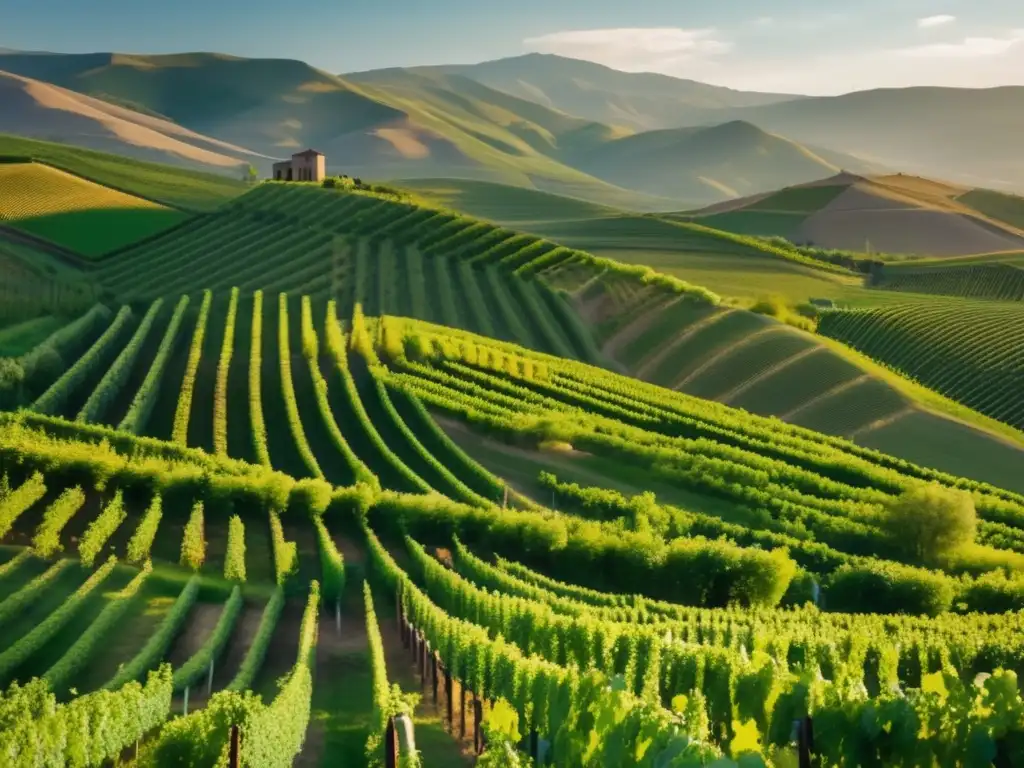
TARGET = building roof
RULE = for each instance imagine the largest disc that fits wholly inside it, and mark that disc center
(309, 153)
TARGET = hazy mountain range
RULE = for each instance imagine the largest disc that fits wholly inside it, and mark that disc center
(556, 124)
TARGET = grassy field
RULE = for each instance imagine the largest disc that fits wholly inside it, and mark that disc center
(79, 215)
(190, 190)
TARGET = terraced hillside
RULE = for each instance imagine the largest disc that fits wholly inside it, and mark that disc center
(972, 351)
(69, 211)
(997, 279)
(231, 575)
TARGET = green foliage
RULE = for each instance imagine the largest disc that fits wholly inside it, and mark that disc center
(116, 377)
(55, 399)
(17, 653)
(14, 503)
(220, 398)
(141, 541)
(234, 556)
(86, 731)
(81, 652)
(12, 377)
(47, 542)
(930, 522)
(179, 432)
(199, 663)
(288, 386)
(138, 413)
(388, 700)
(22, 598)
(285, 552)
(259, 428)
(159, 643)
(888, 588)
(101, 529)
(332, 564)
(193, 540)
(253, 660)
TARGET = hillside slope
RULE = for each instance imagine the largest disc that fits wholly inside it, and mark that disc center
(708, 165)
(897, 213)
(641, 100)
(969, 136)
(34, 108)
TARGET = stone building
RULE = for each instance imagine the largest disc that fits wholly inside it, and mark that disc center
(304, 166)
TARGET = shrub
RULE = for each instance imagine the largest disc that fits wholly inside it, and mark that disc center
(886, 587)
(234, 559)
(193, 542)
(930, 522)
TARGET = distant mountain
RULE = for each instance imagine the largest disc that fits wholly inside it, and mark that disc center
(40, 110)
(895, 213)
(971, 136)
(643, 101)
(711, 164)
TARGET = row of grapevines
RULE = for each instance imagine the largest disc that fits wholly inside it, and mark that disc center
(80, 653)
(18, 601)
(201, 661)
(332, 564)
(311, 350)
(46, 542)
(259, 427)
(43, 632)
(55, 399)
(234, 556)
(110, 386)
(285, 552)
(291, 405)
(15, 563)
(220, 401)
(182, 412)
(141, 542)
(548, 697)
(142, 405)
(253, 660)
(18, 501)
(193, 541)
(159, 642)
(86, 731)
(101, 529)
(45, 362)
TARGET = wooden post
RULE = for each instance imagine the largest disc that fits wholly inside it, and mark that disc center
(235, 750)
(462, 710)
(448, 698)
(478, 715)
(433, 676)
(390, 745)
(209, 680)
(337, 614)
(184, 708)
(805, 746)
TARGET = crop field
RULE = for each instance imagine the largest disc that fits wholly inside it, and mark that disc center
(175, 187)
(967, 350)
(68, 211)
(332, 538)
(997, 281)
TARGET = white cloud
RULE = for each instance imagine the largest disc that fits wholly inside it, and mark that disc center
(633, 49)
(968, 48)
(935, 21)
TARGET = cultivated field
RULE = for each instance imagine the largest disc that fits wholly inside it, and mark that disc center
(271, 472)
(71, 212)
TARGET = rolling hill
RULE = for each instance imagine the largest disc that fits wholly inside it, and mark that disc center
(712, 164)
(896, 214)
(428, 122)
(39, 109)
(642, 101)
(966, 135)
(321, 448)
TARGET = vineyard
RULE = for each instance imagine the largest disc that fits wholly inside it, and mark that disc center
(1000, 282)
(229, 513)
(74, 213)
(968, 350)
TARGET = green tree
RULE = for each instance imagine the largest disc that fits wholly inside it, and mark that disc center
(251, 174)
(930, 521)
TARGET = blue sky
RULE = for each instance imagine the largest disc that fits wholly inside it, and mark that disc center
(787, 45)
